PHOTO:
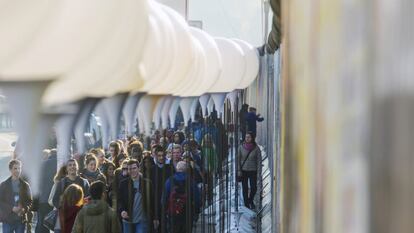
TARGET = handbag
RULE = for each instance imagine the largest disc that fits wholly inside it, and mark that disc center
(239, 178)
(50, 220)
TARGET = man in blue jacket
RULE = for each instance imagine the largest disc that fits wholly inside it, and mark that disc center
(251, 120)
(181, 200)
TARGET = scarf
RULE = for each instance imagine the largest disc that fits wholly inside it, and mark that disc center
(249, 146)
(89, 174)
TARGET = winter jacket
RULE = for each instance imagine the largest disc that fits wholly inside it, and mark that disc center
(160, 177)
(251, 120)
(96, 217)
(253, 161)
(126, 196)
(7, 201)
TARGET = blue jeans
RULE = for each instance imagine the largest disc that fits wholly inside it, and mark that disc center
(16, 228)
(141, 227)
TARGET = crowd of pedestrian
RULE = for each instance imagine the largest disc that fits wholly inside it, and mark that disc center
(136, 186)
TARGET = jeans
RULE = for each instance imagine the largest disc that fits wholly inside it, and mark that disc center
(141, 227)
(249, 177)
(13, 228)
(44, 209)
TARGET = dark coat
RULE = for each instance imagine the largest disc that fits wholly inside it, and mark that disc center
(127, 193)
(48, 171)
(7, 201)
(161, 176)
(242, 118)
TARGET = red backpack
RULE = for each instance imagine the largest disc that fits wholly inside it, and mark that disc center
(177, 201)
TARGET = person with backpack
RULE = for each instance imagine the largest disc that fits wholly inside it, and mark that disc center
(181, 201)
(97, 216)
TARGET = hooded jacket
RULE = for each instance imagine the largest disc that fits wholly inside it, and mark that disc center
(96, 217)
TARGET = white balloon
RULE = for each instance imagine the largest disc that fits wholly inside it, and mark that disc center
(213, 61)
(112, 68)
(182, 60)
(252, 63)
(195, 74)
(20, 21)
(64, 41)
(159, 52)
(233, 66)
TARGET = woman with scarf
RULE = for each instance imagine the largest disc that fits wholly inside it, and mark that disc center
(249, 162)
(91, 171)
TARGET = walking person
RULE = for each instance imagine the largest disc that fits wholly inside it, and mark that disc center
(15, 200)
(70, 204)
(251, 119)
(135, 201)
(250, 158)
(209, 156)
(60, 174)
(46, 176)
(91, 171)
(72, 177)
(97, 216)
(181, 200)
(114, 151)
(162, 171)
(110, 184)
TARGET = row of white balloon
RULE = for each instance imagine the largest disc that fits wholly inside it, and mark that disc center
(63, 56)
(204, 66)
